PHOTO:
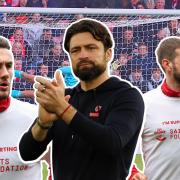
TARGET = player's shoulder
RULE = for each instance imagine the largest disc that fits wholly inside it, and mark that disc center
(152, 95)
(23, 105)
(154, 92)
(23, 111)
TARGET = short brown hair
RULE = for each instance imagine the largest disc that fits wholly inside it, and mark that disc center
(167, 49)
(97, 29)
(4, 43)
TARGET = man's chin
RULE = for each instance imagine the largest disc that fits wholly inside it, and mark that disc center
(87, 75)
(85, 67)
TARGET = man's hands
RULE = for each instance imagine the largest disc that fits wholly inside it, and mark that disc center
(45, 116)
(50, 94)
(51, 98)
(52, 102)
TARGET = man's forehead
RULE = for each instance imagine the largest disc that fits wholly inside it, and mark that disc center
(82, 35)
(83, 39)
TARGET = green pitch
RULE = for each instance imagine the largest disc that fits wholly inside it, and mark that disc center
(139, 162)
(45, 171)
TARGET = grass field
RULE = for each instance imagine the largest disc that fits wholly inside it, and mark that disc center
(45, 170)
(138, 162)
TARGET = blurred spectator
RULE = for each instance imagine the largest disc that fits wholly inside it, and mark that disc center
(159, 4)
(88, 4)
(141, 5)
(11, 20)
(54, 59)
(54, 3)
(3, 15)
(133, 4)
(22, 19)
(143, 59)
(137, 80)
(19, 37)
(33, 3)
(78, 17)
(109, 24)
(122, 59)
(173, 27)
(3, 3)
(156, 78)
(122, 4)
(127, 42)
(32, 70)
(142, 51)
(58, 34)
(150, 4)
(33, 30)
(111, 4)
(121, 63)
(17, 51)
(82, 4)
(58, 38)
(43, 46)
(98, 4)
(22, 3)
(13, 3)
(75, 3)
(18, 64)
(118, 35)
(161, 34)
(145, 32)
(43, 70)
(172, 4)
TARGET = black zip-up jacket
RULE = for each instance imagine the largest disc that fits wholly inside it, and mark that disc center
(99, 143)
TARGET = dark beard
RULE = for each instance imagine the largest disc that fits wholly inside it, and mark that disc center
(89, 73)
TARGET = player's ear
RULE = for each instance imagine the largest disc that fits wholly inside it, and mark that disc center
(108, 54)
(167, 65)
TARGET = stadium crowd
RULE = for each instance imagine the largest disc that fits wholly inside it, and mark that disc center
(37, 40)
(126, 4)
(37, 45)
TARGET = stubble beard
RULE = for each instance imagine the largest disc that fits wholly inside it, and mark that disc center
(4, 95)
(176, 75)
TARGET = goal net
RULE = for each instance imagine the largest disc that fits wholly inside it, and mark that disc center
(36, 36)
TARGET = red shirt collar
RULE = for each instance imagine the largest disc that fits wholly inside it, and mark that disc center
(169, 92)
(4, 104)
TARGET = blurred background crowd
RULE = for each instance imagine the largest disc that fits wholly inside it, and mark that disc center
(125, 4)
(36, 40)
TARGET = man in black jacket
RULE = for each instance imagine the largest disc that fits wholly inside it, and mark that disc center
(94, 126)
